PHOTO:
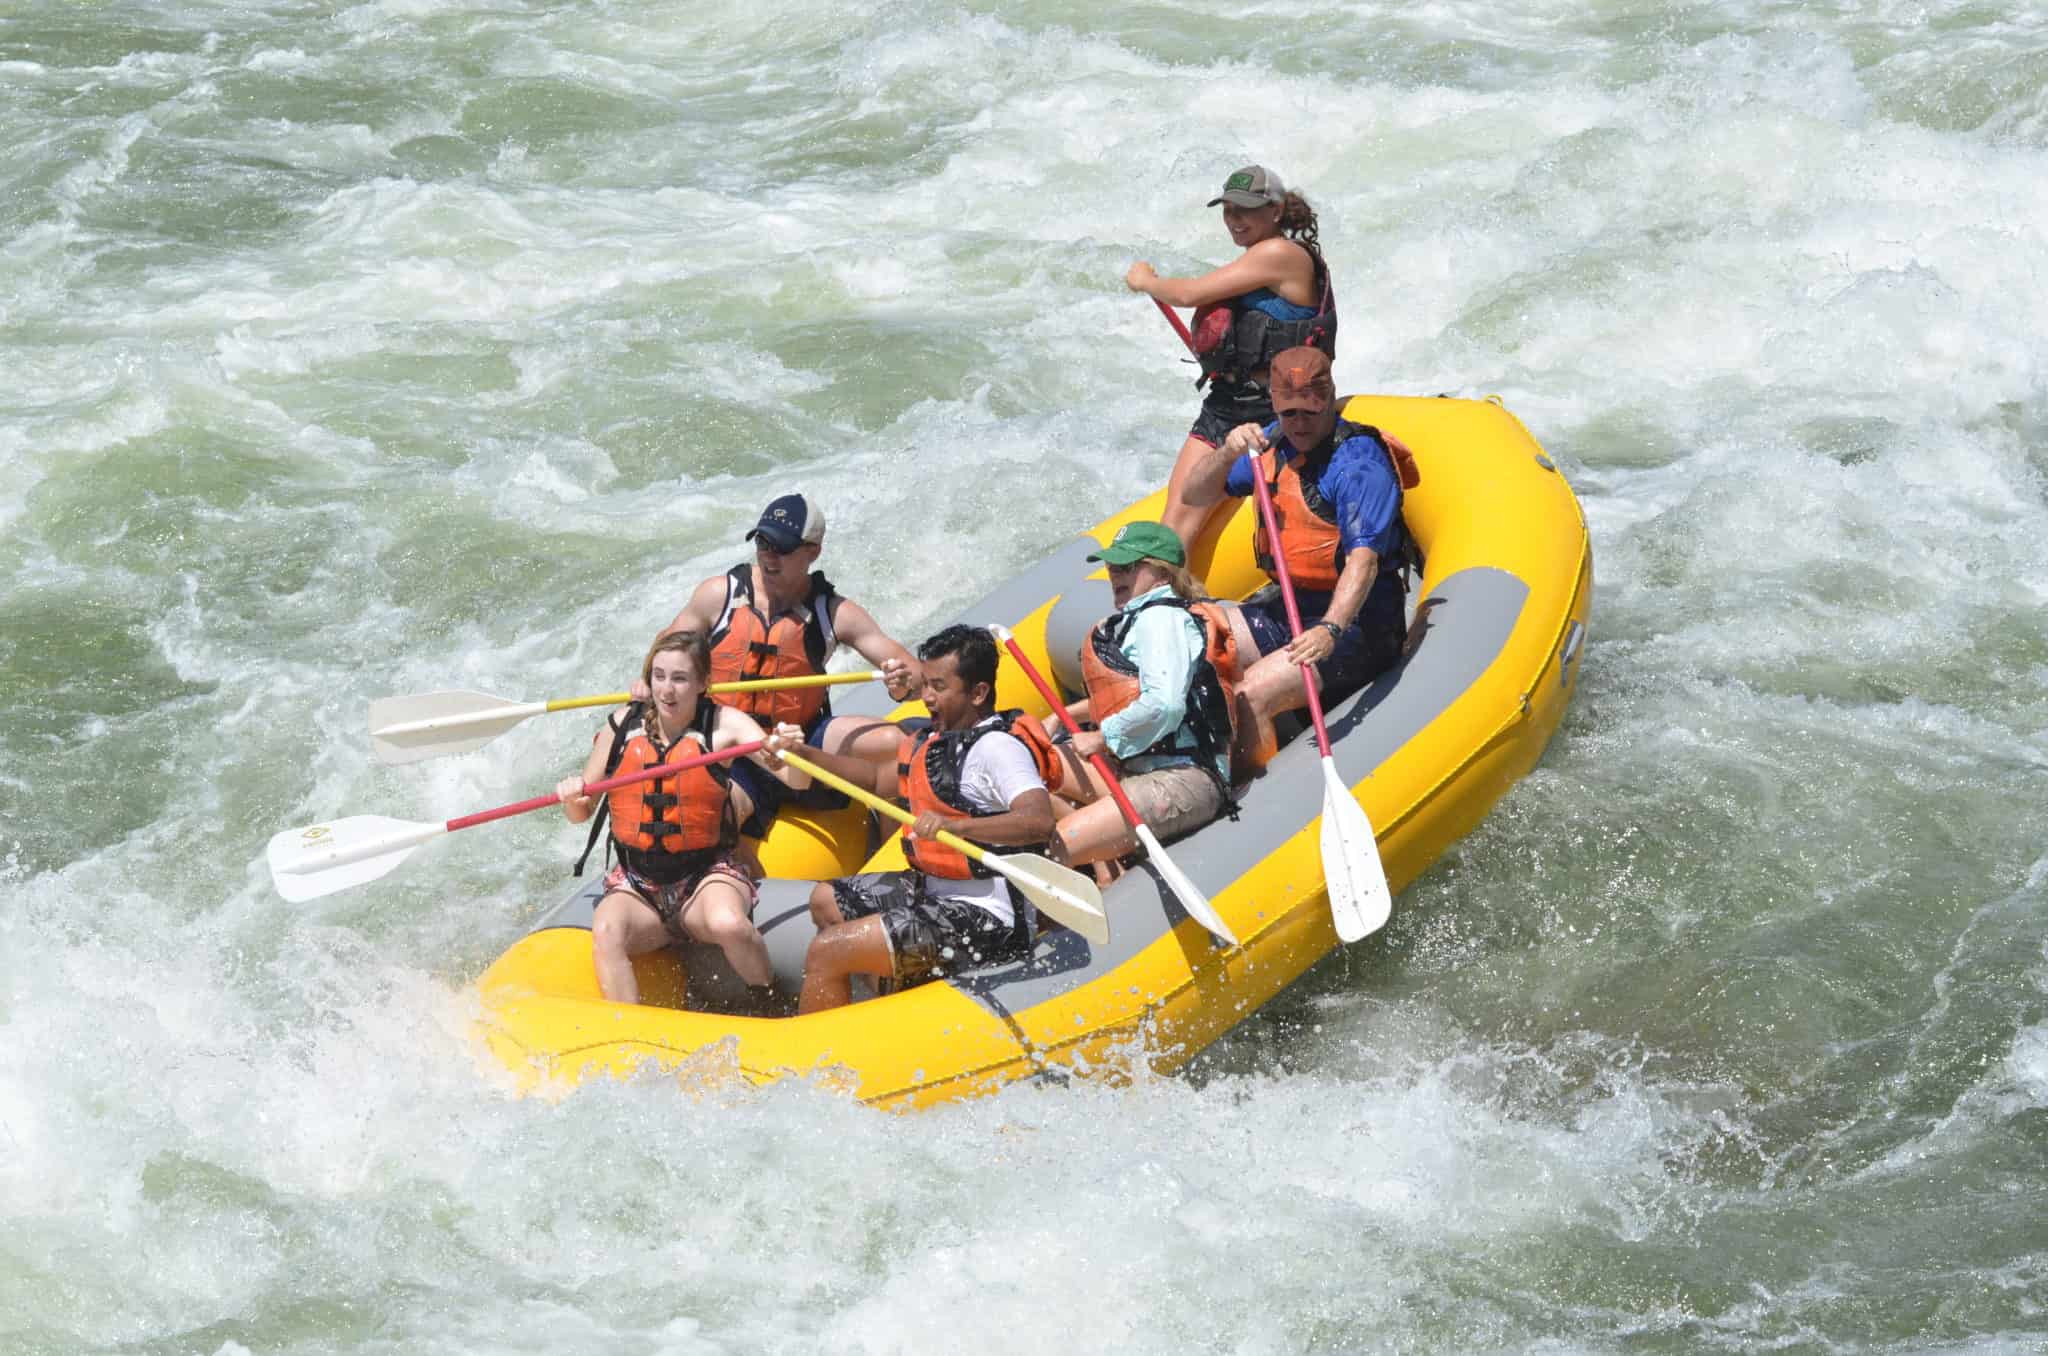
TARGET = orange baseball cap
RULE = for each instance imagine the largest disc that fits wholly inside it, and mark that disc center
(1300, 379)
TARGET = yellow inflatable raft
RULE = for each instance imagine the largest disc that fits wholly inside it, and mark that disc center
(1427, 749)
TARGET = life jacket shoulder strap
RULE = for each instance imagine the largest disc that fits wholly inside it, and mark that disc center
(821, 638)
(739, 592)
(1117, 625)
(1031, 733)
(622, 725)
(1397, 452)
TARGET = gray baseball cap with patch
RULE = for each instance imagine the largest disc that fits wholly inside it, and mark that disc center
(1252, 186)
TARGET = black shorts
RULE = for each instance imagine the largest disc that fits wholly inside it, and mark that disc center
(1229, 402)
(930, 937)
(1367, 648)
(769, 795)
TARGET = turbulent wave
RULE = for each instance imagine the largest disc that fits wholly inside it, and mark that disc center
(354, 349)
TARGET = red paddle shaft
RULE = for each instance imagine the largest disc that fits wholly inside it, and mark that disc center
(1266, 514)
(1100, 762)
(1179, 326)
(1308, 677)
(645, 774)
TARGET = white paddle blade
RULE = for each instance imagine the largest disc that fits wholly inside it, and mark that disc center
(323, 858)
(1060, 893)
(1360, 901)
(433, 724)
(1193, 900)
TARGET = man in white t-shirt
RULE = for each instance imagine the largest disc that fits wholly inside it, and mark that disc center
(979, 774)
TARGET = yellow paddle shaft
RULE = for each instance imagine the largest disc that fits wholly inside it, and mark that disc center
(748, 685)
(874, 802)
(577, 703)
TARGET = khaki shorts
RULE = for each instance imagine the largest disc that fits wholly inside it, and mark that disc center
(1175, 800)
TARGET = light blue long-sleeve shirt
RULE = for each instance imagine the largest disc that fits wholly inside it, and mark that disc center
(1164, 644)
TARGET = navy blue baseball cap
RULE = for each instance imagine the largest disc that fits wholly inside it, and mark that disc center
(790, 522)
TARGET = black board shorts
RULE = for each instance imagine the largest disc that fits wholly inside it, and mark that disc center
(1228, 403)
(1366, 649)
(929, 936)
(769, 795)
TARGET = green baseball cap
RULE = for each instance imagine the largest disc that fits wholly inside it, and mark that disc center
(1142, 541)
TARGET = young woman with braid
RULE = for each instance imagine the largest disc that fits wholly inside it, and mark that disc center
(677, 877)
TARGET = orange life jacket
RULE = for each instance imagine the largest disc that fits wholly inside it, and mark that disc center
(928, 769)
(669, 827)
(1211, 698)
(1309, 536)
(746, 644)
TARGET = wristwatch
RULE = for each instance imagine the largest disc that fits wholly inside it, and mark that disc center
(1336, 631)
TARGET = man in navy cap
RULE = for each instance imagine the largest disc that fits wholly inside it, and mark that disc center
(775, 616)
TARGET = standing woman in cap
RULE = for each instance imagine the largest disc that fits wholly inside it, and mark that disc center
(1274, 296)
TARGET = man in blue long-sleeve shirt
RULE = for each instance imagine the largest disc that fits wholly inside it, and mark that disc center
(1336, 489)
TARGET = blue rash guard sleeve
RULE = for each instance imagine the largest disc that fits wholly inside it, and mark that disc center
(1361, 483)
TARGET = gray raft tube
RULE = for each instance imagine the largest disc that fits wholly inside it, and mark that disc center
(1461, 641)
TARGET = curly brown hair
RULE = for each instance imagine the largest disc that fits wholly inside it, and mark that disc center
(1298, 223)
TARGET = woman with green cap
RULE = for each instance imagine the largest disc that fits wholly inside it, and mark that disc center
(1162, 678)
(1274, 296)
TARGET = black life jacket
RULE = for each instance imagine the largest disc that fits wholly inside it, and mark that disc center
(1249, 339)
